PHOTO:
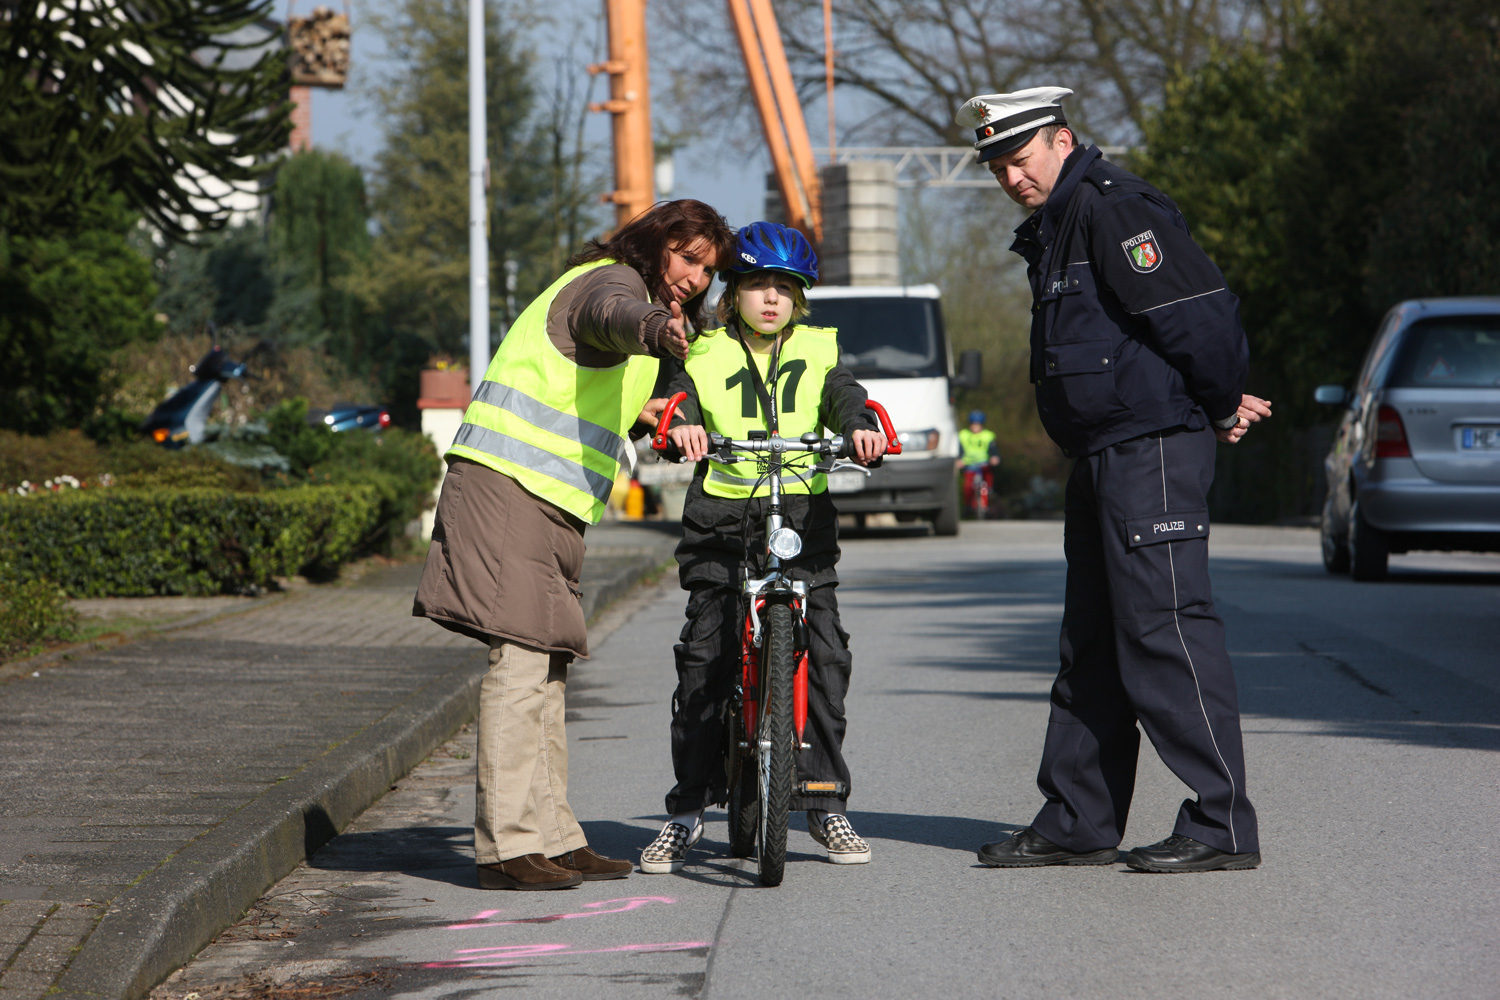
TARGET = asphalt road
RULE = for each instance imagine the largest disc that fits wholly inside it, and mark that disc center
(1372, 726)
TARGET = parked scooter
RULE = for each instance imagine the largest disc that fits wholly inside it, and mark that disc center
(182, 418)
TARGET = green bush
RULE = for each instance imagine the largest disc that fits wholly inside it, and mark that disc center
(33, 611)
(136, 463)
(403, 466)
(125, 542)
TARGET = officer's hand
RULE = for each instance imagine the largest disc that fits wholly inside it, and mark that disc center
(868, 446)
(1252, 410)
(674, 334)
(690, 439)
(651, 412)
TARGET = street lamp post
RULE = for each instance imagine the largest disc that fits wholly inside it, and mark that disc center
(479, 249)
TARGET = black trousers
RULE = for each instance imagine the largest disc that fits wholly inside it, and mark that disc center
(708, 666)
(1141, 642)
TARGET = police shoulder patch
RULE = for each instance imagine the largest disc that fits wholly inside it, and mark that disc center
(1143, 252)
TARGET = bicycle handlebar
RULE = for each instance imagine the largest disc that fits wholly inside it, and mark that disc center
(822, 446)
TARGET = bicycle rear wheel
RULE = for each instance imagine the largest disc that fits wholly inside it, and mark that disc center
(776, 766)
(744, 792)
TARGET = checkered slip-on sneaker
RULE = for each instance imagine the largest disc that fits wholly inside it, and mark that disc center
(668, 852)
(845, 847)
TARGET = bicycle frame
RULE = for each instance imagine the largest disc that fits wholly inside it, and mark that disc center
(754, 693)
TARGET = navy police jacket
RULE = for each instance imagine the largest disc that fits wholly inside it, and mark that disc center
(1133, 329)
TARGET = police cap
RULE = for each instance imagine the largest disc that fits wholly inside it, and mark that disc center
(1003, 123)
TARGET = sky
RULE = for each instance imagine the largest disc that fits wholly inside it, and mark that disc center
(342, 120)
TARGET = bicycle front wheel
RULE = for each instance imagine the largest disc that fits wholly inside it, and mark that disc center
(778, 667)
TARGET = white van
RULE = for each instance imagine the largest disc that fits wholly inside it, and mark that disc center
(892, 338)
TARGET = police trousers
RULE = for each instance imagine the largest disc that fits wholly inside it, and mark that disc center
(1142, 642)
(708, 667)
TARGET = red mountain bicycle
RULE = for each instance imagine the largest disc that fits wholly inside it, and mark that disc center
(769, 711)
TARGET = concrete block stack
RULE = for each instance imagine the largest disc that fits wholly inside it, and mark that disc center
(860, 223)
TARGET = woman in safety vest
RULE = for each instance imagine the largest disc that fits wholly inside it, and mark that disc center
(760, 370)
(533, 464)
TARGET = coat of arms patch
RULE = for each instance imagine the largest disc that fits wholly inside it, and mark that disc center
(1143, 251)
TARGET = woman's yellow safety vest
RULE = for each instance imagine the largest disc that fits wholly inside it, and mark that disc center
(731, 406)
(557, 428)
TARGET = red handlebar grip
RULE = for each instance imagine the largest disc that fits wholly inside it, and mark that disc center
(893, 442)
(659, 442)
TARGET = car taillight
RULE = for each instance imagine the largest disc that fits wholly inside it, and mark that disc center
(1390, 435)
(385, 419)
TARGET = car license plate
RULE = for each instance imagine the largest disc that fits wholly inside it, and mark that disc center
(1471, 439)
(846, 481)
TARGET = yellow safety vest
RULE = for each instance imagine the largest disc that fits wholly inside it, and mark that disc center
(556, 427)
(976, 447)
(731, 406)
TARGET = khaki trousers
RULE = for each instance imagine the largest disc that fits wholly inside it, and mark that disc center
(522, 773)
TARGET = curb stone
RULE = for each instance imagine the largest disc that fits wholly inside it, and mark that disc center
(162, 921)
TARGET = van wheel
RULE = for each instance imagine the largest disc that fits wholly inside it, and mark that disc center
(1369, 550)
(945, 519)
(1335, 545)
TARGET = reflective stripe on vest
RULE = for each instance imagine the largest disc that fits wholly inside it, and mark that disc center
(559, 422)
(557, 428)
(730, 406)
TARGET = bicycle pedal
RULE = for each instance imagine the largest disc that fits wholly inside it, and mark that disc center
(834, 788)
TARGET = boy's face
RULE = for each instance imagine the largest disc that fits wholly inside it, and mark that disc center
(765, 301)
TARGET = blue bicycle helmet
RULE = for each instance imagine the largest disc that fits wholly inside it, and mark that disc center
(766, 246)
(976, 416)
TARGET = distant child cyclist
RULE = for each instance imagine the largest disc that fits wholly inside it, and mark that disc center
(979, 458)
(760, 370)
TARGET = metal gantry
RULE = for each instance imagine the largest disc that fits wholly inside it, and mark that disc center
(934, 166)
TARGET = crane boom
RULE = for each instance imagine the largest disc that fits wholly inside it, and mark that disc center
(780, 112)
(629, 106)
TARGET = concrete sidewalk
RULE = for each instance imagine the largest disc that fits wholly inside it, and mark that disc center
(152, 791)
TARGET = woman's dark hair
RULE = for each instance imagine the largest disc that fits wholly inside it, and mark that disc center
(643, 242)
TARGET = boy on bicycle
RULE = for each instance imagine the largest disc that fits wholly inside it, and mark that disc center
(760, 370)
(980, 454)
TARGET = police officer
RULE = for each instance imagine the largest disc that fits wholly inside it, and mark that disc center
(1139, 363)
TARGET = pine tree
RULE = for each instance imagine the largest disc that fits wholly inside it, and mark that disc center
(163, 101)
(319, 232)
(418, 275)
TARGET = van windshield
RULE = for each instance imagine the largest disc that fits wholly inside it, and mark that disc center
(885, 336)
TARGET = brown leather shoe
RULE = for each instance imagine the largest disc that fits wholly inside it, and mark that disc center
(593, 867)
(530, 871)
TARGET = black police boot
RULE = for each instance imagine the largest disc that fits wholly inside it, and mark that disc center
(1184, 854)
(1029, 849)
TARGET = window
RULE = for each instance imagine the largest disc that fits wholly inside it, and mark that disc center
(1457, 352)
(885, 337)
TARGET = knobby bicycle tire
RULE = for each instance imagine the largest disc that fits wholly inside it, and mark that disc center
(744, 798)
(778, 666)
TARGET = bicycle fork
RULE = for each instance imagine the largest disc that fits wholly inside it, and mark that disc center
(749, 692)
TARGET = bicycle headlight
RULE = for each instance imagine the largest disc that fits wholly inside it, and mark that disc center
(785, 543)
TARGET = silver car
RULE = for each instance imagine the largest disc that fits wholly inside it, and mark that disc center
(1416, 462)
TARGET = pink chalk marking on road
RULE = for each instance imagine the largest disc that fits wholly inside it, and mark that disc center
(627, 903)
(514, 954)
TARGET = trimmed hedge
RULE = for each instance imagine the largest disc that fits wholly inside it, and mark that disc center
(122, 542)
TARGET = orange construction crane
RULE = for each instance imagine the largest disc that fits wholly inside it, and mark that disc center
(780, 114)
(770, 84)
(630, 105)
